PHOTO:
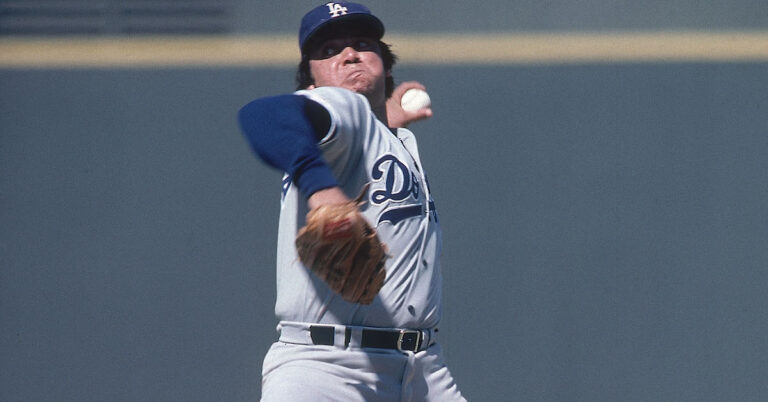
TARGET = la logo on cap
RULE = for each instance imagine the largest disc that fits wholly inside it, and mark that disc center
(335, 9)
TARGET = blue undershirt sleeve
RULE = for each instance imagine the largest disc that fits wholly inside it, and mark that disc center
(284, 131)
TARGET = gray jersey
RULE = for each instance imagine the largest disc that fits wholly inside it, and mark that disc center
(361, 149)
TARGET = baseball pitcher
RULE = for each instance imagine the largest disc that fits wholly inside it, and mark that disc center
(358, 262)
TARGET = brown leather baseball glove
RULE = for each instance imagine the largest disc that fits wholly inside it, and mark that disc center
(342, 249)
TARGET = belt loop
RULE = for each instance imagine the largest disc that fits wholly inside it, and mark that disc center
(340, 336)
(431, 334)
(355, 337)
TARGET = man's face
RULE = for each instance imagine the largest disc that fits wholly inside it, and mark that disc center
(351, 62)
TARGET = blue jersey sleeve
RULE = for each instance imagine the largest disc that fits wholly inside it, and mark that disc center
(284, 131)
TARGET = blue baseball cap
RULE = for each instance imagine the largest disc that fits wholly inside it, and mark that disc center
(351, 17)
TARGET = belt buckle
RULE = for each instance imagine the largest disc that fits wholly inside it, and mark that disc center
(407, 336)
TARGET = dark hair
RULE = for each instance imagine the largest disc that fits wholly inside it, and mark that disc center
(304, 76)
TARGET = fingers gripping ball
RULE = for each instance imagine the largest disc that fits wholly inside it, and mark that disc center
(342, 249)
(415, 99)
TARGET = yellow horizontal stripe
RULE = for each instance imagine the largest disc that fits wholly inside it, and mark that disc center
(413, 49)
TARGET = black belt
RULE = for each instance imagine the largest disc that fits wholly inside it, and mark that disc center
(398, 339)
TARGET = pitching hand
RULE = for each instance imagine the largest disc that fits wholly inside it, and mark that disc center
(396, 115)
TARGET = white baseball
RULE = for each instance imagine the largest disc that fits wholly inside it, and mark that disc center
(415, 99)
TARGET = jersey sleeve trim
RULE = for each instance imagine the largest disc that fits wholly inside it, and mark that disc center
(282, 133)
(334, 114)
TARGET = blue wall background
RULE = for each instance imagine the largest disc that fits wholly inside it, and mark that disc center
(606, 235)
